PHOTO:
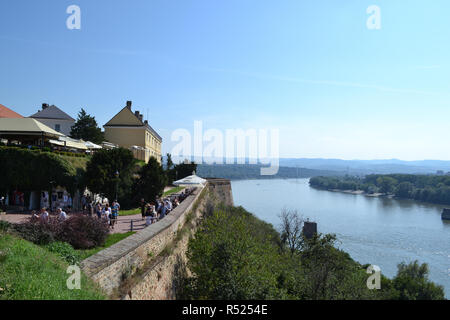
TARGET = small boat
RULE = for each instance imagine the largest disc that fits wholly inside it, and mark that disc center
(446, 214)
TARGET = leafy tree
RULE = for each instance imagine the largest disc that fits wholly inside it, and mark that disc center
(151, 182)
(404, 189)
(170, 172)
(169, 163)
(86, 128)
(34, 171)
(411, 283)
(230, 262)
(386, 184)
(101, 172)
(182, 170)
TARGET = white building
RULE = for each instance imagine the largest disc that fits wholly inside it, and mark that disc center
(54, 118)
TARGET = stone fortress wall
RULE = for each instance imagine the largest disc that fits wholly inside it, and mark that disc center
(145, 257)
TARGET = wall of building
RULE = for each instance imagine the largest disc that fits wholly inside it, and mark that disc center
(65, 125)
(126, 136)
(140, 255)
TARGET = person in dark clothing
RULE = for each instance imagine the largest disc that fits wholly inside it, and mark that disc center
(143, 208)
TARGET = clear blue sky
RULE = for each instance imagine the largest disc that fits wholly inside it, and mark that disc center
(312, 69)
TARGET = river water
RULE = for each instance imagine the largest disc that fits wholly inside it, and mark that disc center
(378, 231)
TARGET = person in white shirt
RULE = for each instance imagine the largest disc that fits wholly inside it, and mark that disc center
(61, 214)
(106, 213)
(44, 215)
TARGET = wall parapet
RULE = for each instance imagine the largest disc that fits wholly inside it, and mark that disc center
(111, 266)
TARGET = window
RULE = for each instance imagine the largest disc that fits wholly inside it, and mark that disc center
(58, 127)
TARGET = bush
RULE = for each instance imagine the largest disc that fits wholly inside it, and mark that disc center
(65, 251)
(36, 231)
(84, 232)
(4, 226)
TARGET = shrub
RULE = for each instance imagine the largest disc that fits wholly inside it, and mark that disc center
(4, 226)
(65, 251)
(83, 232)
(37, 231)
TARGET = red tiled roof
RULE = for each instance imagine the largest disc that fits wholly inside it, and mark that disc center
(8, 113)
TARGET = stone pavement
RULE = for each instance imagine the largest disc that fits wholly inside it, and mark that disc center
(122, 226)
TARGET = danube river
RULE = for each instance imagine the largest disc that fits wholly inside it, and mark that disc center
(379, 231)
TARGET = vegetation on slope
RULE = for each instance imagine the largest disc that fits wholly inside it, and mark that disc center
(234, 255)
(30, 272)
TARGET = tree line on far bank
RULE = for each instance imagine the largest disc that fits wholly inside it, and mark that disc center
(428, 188)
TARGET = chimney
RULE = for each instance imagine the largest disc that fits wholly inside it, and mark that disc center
(141, 117)
(136, 113)
(44, 106)
(146, 121)
(129, 104)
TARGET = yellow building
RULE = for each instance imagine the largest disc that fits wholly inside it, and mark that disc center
(129, 130)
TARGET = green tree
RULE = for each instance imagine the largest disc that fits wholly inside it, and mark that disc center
(34, 171)
(387, 184)
(411, 283)
(230, 262)
(182, 170)
(86, 128)
(101, 172)
(151, 182)
(404, 189)
(170, 172)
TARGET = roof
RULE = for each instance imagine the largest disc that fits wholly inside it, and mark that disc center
(52, 112)
(28, 126)
(8, 113)
(91, 145)
(190, 180)
(138, 123)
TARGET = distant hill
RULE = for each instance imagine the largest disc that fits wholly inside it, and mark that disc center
(245, 171)
(370, 166)
(339, 167)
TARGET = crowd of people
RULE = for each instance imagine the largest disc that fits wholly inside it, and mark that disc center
(154, 211)
(44, 216)
(150, 211)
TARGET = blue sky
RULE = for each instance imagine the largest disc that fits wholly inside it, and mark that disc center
(311, 69)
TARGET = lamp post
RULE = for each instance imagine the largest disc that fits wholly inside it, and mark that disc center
(117, 184)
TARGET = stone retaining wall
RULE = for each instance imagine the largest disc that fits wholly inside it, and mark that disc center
(111, 266)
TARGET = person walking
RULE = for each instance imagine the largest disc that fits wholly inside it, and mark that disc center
(143, 206)
(98, 210)
(44, 215)
(114, 213)
(62, 216)
(106, 213)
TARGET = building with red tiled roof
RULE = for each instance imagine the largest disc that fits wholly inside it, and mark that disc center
(8, 113)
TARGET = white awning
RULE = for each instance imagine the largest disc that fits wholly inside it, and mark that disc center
(91, 145)
(190, 180)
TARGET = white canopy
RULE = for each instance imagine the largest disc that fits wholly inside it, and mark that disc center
(190, 180)
(91, 145)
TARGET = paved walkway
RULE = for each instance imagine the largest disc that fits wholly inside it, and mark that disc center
(123, 224)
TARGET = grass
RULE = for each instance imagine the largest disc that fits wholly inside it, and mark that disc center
(77, 162)
(110, 240)
(130, 212)
(30, 272)
(173, 190)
